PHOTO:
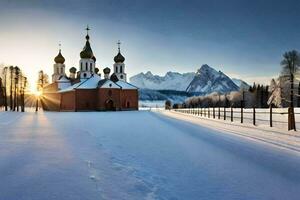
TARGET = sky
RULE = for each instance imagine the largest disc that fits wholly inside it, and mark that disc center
(243, 38)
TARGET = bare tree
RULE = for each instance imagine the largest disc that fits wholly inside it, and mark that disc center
(4, 76)
(16, 90)
(290, 64)
(11, 72)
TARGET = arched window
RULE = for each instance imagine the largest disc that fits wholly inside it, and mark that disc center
(81, 66)
(86, 66)
(121, 69)
(91, 67)
(116, 69)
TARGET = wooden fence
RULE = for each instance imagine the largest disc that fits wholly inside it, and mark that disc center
(255, 116)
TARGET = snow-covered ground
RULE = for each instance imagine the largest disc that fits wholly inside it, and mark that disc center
(137, 155)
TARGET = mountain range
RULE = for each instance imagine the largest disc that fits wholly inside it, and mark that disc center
(171, 81)
(205, 81)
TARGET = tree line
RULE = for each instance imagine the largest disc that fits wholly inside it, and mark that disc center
(13, 84)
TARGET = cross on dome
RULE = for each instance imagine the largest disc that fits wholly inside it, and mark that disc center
(119, 44)
(87, 37)
(59, 45)
(87, 29)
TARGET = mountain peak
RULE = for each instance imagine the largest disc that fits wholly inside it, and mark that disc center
(209, 80)
(148, 73)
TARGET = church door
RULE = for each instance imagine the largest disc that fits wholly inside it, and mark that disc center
(109, 105)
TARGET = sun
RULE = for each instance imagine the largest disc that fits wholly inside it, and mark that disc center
(37, 93)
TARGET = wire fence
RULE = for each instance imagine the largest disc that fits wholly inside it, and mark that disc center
(273, 117)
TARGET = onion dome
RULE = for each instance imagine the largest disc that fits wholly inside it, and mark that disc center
(114, 78)
(94, 58)
(106, 70)
(96, 70)
(87, 52)
(73, 70)
(119, 58)
(59, 59)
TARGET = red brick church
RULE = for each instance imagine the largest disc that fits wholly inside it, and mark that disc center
(85, 90)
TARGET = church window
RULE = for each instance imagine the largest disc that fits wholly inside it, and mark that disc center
(121, 69)
(81, 66)
(86, 66)
(116, 69)
(84, 75)
(91, 67)
(121, 76)
(109, 93)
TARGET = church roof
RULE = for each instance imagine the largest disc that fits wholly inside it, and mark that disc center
(90, 83)
(106, 83)
(125, 85)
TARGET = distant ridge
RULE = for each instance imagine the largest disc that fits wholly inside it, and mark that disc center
(206, 80)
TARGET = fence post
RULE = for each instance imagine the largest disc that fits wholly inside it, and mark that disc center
(204, 112)
(231, 114)
(219, 112)
(208, 112)
(254, 116)
(214, 114)
(291, 119)
(271, 117)
(201, 111)
(224, 113)
(242, 115)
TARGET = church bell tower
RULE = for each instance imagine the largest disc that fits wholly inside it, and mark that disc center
(119, 66)
(59, 66)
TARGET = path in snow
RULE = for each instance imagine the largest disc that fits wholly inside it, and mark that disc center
(136, 155)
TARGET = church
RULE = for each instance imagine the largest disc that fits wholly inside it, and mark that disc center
(85, 89)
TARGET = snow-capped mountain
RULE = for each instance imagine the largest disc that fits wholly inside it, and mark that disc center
(205, 81)
(240, 83)
(208, 80)
(171, 81)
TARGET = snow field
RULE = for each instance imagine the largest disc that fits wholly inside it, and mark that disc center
(136, 155)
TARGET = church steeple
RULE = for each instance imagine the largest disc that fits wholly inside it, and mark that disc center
(87, 51)
(119, 66)
(59, 66)
(119, 58)
(87, 61)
